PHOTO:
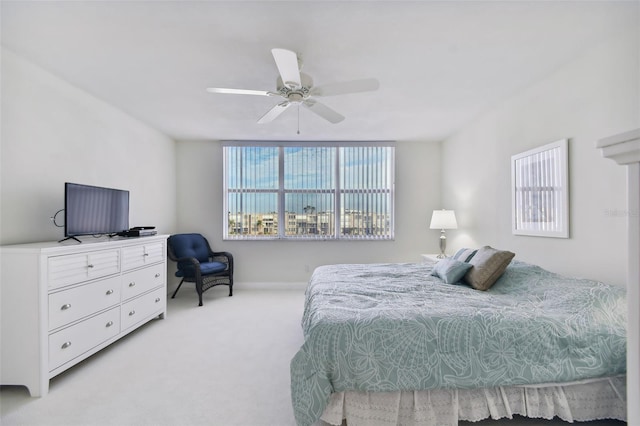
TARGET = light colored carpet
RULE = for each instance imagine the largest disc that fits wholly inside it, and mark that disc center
(225, 363)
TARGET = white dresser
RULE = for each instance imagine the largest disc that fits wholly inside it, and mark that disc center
(62, 302)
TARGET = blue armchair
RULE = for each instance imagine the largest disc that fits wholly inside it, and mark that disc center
(198, 264)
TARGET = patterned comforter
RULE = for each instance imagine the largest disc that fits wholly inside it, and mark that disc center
(394, 327)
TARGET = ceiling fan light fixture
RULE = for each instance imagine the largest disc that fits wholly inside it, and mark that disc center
(295, 97)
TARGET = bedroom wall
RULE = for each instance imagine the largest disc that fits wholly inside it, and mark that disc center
(595, 95)
(53, 132)
(199, 165)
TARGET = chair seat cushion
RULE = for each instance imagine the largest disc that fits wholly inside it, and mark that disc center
(206, 268)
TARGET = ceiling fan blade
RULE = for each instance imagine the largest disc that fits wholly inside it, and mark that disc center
(287, 63)
(274, 112)
(240, 91)
(353, 86)
(323, 111)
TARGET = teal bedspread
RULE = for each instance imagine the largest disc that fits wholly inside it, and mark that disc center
(394, 327)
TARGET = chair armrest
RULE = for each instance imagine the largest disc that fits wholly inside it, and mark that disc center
(195, 262)
(223, 254)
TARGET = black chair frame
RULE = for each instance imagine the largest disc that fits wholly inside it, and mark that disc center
(205, 282)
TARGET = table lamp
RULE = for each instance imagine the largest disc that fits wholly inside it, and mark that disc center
(443, 219)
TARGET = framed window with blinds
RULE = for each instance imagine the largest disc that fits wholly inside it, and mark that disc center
(308, 190)
(540, 191)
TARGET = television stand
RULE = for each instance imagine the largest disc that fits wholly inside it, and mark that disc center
(63, 303)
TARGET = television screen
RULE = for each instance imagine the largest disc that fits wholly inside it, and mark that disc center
(92, 210)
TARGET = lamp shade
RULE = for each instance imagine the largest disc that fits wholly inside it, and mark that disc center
(443, 219)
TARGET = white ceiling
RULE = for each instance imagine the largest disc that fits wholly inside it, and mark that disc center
(439, 64)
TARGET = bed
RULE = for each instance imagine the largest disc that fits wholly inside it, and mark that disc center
(389, 344)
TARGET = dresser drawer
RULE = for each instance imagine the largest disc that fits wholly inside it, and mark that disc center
(76, 268)
(143, 307)
(75, 303)
(142, 280)
(142, 254)
(73, 341)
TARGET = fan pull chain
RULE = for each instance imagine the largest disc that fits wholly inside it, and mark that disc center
(298, 118)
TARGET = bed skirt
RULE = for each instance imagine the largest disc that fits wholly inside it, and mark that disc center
(603, 398)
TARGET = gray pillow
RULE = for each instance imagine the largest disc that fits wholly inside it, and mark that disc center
(488, 265)
(450, 270)
(464, 254)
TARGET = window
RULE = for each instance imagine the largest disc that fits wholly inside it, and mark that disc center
(310, 190)
(540, 191)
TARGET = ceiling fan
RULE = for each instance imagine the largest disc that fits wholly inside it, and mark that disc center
(297, 89)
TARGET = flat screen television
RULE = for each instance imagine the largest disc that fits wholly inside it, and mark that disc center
(94, 210)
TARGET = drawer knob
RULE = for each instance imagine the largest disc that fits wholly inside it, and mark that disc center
(158, 275)
(157, 299)
(65, 345)
(109, 324)
(65, 306)
(110, 291)
(146, 254)
(90, 265)
(132, 284)
(132, 313)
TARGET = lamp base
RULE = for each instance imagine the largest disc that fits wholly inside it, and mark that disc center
(443, 245)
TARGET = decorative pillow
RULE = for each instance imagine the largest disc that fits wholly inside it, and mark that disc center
(450, 270)
(488, 265)
(464, 254)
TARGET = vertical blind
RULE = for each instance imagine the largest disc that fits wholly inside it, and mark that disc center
(540, 192)
(289, 191)
(251, 190)
(309, 191)
(366, 196)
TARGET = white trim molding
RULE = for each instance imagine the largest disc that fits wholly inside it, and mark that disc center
(624, 149)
